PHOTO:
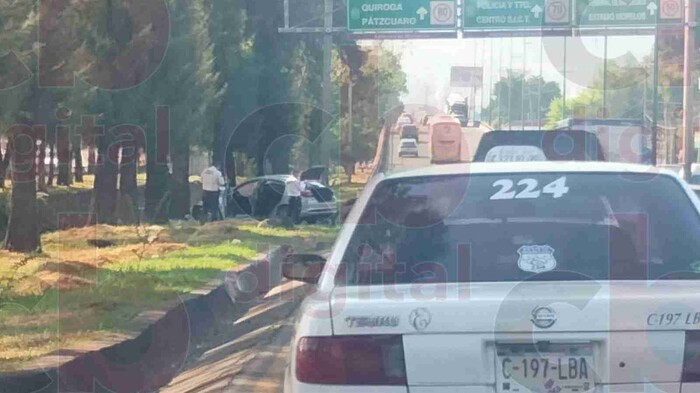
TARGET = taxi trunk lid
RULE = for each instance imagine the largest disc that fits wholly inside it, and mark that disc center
(634, 330)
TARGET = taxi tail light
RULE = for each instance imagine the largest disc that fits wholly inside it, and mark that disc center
(691, 357)
(351, 360)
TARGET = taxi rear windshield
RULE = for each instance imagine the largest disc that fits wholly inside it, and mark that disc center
(524, 226)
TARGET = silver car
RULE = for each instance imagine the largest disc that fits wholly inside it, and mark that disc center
(408, 147)
(263, 197)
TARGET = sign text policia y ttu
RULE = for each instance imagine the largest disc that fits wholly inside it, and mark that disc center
(417, 15)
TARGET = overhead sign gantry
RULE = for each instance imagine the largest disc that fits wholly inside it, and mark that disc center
(374, 15)
(509, 15)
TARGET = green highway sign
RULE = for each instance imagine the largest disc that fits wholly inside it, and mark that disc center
(401, 15)
(628, 12)
(509, 14)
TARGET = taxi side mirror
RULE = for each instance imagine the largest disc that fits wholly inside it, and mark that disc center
(303, 267)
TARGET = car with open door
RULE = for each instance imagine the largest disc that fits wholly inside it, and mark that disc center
(263, 197)
(542, 277)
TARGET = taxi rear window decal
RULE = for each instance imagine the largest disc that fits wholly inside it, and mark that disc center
(529, 189)
(515, 153)
(536, 259)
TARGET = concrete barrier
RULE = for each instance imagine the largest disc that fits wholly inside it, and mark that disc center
(247, 282)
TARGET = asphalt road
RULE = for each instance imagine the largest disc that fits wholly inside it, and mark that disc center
(251, 355)
(470, 140)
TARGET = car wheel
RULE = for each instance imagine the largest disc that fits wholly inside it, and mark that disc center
(282, 215)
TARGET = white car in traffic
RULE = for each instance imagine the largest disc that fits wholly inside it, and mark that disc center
(408, 147)
(506, 278)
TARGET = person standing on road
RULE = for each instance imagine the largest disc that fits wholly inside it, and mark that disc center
(212, 181)
(293, 187)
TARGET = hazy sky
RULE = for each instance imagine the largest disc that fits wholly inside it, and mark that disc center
(427, 62)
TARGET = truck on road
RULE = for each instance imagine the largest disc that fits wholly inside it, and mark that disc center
(458, 107)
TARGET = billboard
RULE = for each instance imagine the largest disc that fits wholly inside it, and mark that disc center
(466, 77)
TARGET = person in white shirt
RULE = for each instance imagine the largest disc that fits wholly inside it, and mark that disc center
(293, 188)
(212, 181)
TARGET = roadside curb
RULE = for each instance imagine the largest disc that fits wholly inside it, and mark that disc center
(246, 282)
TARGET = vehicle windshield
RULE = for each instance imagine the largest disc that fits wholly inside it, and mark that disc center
(524, 226)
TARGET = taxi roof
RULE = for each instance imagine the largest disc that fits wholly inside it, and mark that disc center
(531, 166)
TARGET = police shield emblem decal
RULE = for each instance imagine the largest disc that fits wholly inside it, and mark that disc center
(536, 259)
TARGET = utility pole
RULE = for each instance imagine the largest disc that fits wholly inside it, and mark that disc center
(689, 44)
(351, 83)
(327, 49)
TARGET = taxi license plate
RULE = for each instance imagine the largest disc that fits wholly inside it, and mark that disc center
(544, 368)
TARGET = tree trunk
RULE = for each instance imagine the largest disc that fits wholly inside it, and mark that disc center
(180, 185)
(128, 196)
(158, 145)
(63, 153)
(104, 199)
(4, 164)
(91, 159)
(280, 161)
(78, 158)
(230, 167)
(156, 190)
(41, 166)
(23, 224)
(348, 168)
(260, 158)
(52, 166)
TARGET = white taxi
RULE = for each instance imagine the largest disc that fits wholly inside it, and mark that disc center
(507, 278)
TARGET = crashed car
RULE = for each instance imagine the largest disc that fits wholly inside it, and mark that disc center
(263, 198)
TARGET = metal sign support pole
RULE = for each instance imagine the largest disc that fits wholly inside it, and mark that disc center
(688, 45)
(481, 85)
(563, 109)
(510, 86)
(539, 88)
(655, 102)
(472, 101)
(522, 88)
(327, 47)
(605, 77)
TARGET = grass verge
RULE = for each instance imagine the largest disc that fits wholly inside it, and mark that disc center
(105, 282)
